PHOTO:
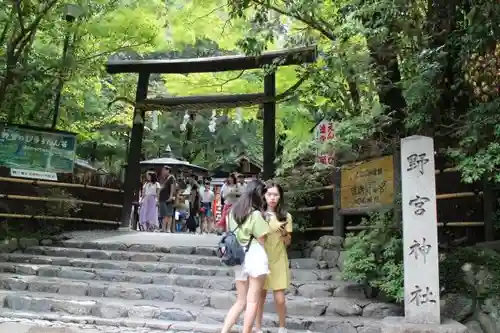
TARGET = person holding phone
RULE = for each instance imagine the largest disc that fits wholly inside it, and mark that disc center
(276, 243)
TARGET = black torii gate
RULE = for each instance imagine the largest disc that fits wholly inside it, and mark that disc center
(268, 99)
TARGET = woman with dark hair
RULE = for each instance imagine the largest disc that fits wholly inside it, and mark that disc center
(148, 213)
(250, 228)
(279, 237)
(194, 208)
(230, 194)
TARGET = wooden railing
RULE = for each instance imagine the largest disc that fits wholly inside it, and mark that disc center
(56, 184)
(442, 196)
(105, 202)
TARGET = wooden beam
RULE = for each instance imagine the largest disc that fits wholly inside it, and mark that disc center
(133, 169)
(489, 207)
(295, 56)
(202, 102)
(338, 217)
(269, 127)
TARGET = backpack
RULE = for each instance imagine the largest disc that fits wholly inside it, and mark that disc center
(230, 250)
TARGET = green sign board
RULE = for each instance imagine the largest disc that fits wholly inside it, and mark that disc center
(36, 149)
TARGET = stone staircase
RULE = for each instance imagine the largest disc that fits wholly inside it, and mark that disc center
(150, 288)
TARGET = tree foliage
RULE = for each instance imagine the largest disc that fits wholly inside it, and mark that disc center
(388, 69)
(385, 69)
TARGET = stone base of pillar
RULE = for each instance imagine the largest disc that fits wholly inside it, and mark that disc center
(124, 229)
(399, 325)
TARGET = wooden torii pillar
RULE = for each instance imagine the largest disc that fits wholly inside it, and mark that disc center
(145, 68)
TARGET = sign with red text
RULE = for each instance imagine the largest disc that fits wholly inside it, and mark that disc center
(324, 132)
(217, 205)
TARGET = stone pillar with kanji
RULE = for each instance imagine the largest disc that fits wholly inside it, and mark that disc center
(420, 243)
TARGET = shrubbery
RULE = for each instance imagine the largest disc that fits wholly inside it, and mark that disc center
(375, 257)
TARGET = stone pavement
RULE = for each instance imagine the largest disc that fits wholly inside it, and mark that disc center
(26, 325)
(148, 282)
(152, 238)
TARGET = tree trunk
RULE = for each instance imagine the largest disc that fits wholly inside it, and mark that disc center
(441, 22)
(390, 95)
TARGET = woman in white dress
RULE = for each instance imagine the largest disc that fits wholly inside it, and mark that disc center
(148, 214)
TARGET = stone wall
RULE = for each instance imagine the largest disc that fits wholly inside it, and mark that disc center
(14, 244)
(327, 250)
(484, 318)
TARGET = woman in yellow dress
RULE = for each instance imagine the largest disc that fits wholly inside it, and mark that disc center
(279, 237)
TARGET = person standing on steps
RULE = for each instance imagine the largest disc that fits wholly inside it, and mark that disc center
(166, 199)
(277, 241)
(246, 221)
(207, 197)
(148, 214)
(241, 183)
(230, 193)
(194, 209)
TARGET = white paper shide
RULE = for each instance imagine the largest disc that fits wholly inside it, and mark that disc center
(421, 266)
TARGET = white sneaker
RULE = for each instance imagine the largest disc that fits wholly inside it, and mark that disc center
(282, 330)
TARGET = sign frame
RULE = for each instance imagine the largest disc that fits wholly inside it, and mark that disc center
(55, 150)
(321, 136)
(384, 165)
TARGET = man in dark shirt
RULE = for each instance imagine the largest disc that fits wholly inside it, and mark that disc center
(166, 199)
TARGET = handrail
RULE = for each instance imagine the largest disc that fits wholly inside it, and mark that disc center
(438, 197)
(445, 170)
(457, 195)
(463, 224)
(63, 218)
(310, 209)
(316, 189)
(364, 227)
(31, 198)
(57, 184)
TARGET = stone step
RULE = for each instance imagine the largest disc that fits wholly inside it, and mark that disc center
(216, 299)
(156, 267)
(79, 244)
(125, 255)
(306, 263)
(308, 289)
(145, 311)
(32, 322)
(192, 255)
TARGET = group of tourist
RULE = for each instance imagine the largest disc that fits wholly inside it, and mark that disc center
(169, 205)
(263, 227)
(255, 212)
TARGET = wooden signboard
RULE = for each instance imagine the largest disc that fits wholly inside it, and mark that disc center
(367, 186)
(217, 205)
(324, 131)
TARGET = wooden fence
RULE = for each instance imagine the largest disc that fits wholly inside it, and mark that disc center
(31, 205)
(465, 211)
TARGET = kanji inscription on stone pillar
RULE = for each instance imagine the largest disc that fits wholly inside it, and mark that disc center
(421, 266)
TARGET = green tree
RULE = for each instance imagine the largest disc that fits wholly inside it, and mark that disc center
(33, 34)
